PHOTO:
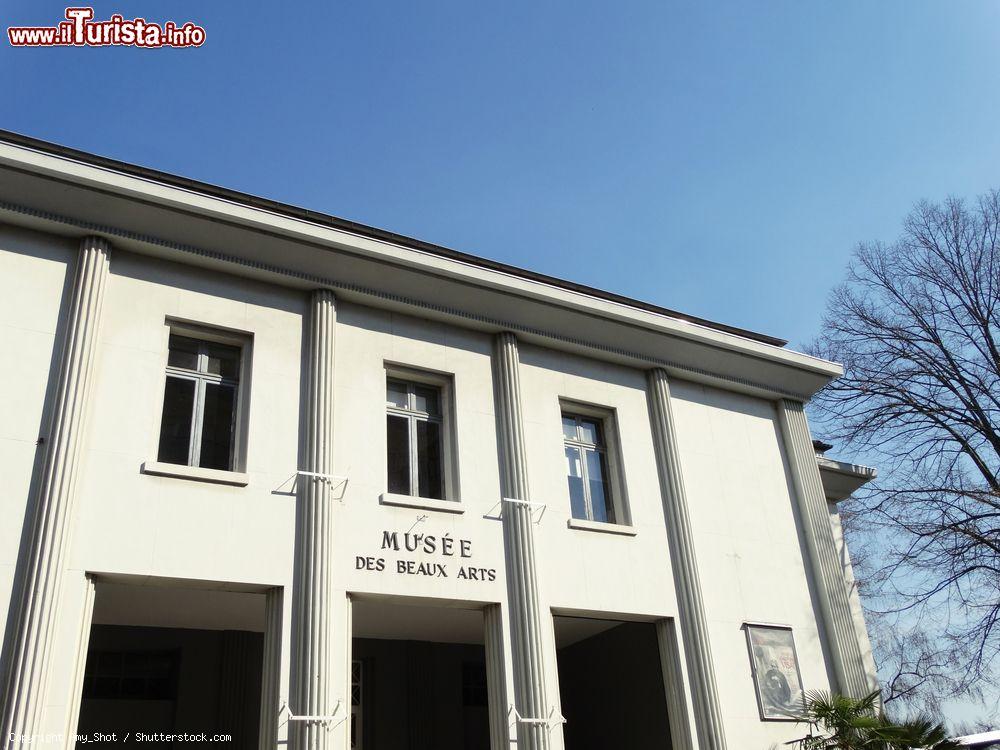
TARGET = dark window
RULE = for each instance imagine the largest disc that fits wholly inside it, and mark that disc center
(198, 425)
(587, 468)
(474, 690)
(131, 675)
(414, 439)
(398, 440)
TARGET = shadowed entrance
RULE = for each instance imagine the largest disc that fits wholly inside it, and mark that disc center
(611, 685)
(420, 677)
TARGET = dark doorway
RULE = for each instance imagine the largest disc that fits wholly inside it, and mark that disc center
(419, 678)
(165, 681)
(611, 685)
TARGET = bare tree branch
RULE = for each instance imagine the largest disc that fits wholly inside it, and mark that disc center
(917, 325)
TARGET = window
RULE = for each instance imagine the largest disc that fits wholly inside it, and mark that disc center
(131, 675)
(474, 687)
(415, 438)
(200, 403)
(590, 494)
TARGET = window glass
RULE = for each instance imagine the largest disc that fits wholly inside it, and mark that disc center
(395, 394)
(131, 675)
(183, 352)
(217, 426)
(590, 490)
(223, 360)
(176, 422)
(429, 460)
(198, 425)
(595, 475)
(590, 432)
(574, 476)
(426, 400)
(415, 449)
(398, 454)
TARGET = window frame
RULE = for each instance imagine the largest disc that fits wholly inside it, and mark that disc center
(206, 335)
(93, 674)
(617, 506)
(443, 382)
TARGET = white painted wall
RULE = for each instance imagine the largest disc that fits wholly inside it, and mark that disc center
(750, 559)
(34, 271)
(748, 546)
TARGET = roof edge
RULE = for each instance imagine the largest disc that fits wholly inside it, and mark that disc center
(295, 212)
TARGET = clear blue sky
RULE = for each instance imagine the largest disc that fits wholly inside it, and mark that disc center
(718, 158)
(721, 159)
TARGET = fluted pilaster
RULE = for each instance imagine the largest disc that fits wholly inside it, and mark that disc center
(691, 609)
(312, 624)
(496, 676)
(270, 683)
(673, 685)
(82, 647)
(835, 606)
(237, 670)
(519, 549)
(37, 608)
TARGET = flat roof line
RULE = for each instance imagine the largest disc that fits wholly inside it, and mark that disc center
(295, 212)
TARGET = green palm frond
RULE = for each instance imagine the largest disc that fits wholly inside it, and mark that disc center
(840, 722)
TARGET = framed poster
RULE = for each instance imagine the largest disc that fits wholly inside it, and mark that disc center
(775, 671)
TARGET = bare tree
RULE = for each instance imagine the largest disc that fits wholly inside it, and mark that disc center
(917, 326)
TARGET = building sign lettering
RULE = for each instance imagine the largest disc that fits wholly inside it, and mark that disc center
(426, 544)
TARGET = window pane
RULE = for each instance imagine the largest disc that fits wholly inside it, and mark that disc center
(429, 460)
(426, 399)
(398, 454)
(395, 394)
(574, 475)
(175, 425)
(590, 432)
(598, 487)
(569, 427)
(183, 352)
(218, 426)
(224, 360)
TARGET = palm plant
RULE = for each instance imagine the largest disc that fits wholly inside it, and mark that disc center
(838, 722)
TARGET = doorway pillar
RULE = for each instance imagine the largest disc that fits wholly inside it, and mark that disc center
(82, 649)
(270, 679)
(673, 685)
(496, 676)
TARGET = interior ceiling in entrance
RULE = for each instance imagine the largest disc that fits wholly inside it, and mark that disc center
(405, 622)
(570, 630)
(169, 607)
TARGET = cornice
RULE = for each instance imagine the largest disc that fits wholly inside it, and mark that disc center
(315, 247)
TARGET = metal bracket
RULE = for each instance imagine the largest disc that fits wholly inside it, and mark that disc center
(548, 722)
(333, 480)
(325, 720)
(532, 506)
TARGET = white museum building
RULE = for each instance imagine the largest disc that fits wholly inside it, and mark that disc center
(271, 478)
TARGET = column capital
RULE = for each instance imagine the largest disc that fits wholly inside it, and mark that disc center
(323, 293)
(96, 242)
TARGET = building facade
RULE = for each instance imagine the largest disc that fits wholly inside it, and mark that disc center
(277, 477)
